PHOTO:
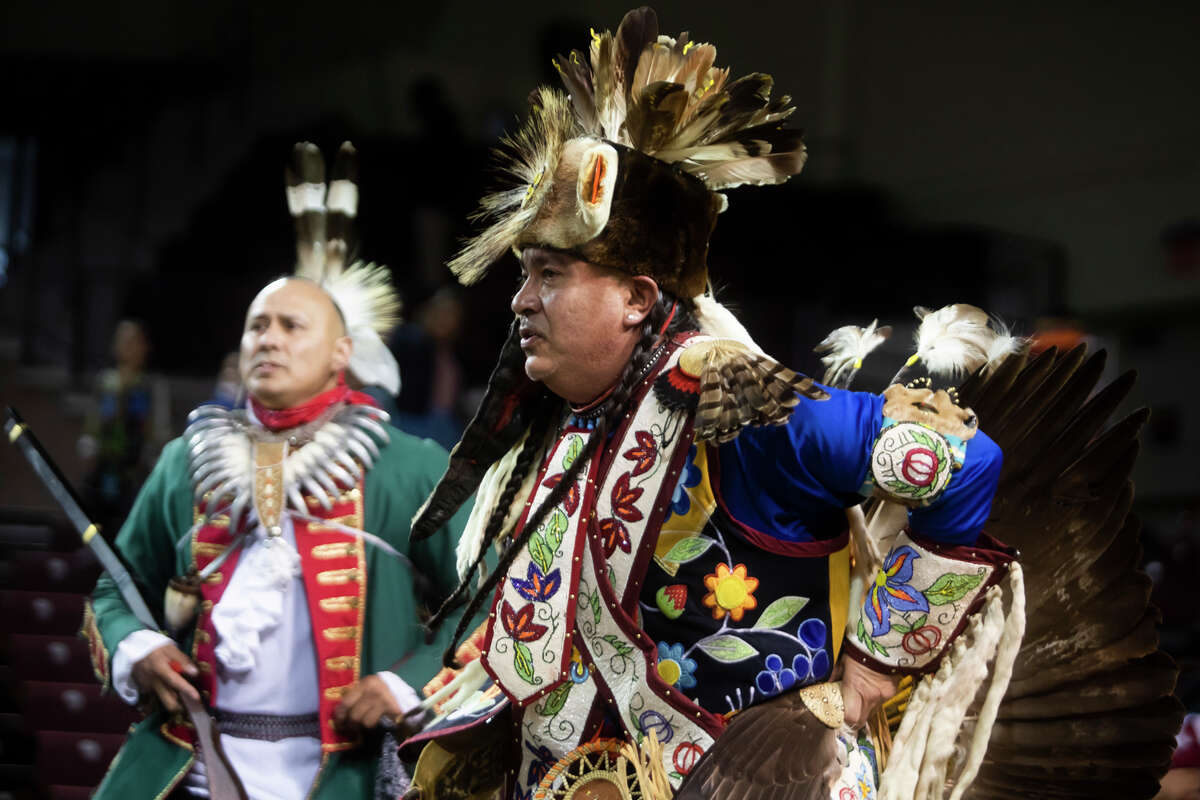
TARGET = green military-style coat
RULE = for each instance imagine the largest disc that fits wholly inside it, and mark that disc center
(351, 643)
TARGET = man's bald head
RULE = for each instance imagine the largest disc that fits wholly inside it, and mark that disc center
(294, 343)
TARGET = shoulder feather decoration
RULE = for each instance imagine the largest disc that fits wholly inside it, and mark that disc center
(845, 348)
(324, 215)
(958, 339)
(740, 387)
(715, 320)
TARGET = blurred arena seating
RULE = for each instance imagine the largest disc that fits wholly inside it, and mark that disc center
(58, 732)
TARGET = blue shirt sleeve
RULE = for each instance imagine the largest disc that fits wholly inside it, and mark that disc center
(960, 513)
(794, 482)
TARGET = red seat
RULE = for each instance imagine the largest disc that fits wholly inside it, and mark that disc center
(34, 570)
(68, 792)
(66, 758)
(47, 613)
(75, 707)
(49, 658)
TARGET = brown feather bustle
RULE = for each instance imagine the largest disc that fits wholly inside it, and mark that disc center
(1089, 711)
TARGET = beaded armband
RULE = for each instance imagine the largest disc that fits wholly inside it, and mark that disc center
(920, 600)
(922, 443)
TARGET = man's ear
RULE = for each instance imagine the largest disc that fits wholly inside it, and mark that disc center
(343, 348)
(643, 294)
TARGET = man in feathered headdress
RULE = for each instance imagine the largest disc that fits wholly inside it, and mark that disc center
(668, 502)
(294, 609)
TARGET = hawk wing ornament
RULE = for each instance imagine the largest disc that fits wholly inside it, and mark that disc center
(778, 750)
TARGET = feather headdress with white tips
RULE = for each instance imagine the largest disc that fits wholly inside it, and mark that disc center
(654, 111)
(958, 339)
(845, 348)
(324, 215)
(663, 97)
(529, 158)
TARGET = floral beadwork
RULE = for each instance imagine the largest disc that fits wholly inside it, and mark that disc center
(913, 607)
(538, 587)
(689, 477)
(730, 592)
(891, 590)
(911, 464)
(674, 667)
(811, 665)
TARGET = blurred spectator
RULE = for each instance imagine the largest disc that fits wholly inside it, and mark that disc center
(228, 391)
(429, 368)
(129, 422)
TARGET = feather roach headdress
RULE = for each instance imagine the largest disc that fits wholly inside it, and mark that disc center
(625, 169)
(363, 293)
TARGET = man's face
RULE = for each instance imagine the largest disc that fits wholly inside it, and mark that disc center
(578, 322)
(293, 346)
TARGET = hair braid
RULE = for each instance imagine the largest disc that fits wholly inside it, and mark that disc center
(526, 460)
(613, 409)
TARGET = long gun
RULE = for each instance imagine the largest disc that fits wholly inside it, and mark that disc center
(223, 783)
(20, 435)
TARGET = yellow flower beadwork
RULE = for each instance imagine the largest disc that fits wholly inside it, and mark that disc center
(730, 593)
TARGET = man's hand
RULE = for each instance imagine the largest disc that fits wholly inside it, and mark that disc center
(162, 672)
(365, 703)
(863, 689)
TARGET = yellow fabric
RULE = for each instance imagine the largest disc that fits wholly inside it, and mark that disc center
(677, 528)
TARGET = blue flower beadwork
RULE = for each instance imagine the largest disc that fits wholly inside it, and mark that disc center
(807, 667)
(689, 476)
(674, 668)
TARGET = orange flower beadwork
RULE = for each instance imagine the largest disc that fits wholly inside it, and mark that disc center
(730, 593)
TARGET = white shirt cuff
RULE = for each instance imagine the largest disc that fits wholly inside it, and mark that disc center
(132, 649)
(406, 696)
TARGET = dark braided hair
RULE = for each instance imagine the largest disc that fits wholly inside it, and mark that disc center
(668, 316)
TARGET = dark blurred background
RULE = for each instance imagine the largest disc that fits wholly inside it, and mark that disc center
(1038, 159)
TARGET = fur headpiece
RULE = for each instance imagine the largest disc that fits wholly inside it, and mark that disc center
(363, 293)
(625, 170)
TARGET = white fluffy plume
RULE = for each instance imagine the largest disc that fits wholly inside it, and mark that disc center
(960, 338)
(846, 347)
(719, 322)
(370, 308)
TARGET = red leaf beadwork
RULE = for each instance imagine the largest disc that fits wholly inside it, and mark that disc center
(520, 624)
(613, 535)
(645, 454)
(623, 499)
(571, 498)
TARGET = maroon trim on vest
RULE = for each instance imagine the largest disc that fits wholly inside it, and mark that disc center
(765, 541)
(986, 550)
(408, 754)
(712, 723)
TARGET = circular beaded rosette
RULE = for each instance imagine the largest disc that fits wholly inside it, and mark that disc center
(593, 771)
(911, 463)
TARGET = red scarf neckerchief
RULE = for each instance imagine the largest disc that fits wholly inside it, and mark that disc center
(283, 418)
